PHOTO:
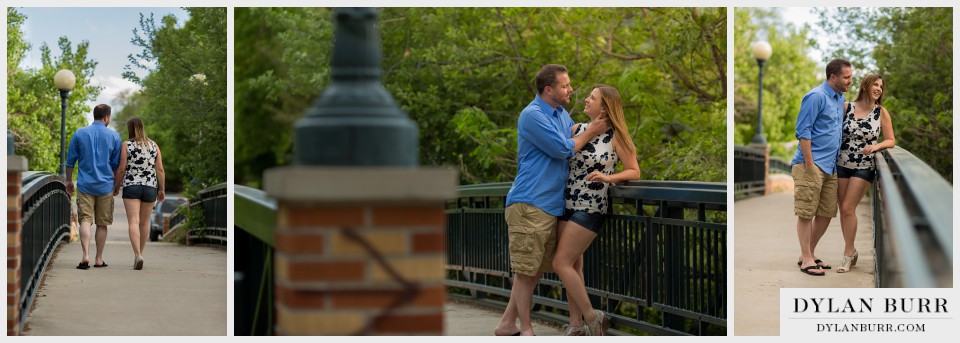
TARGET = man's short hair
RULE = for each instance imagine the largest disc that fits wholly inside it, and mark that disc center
(547, 76)
(836, 66)
(102, 110)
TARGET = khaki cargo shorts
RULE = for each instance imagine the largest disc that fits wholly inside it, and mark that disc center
(95, 209)
(815, 192)
(533, 239)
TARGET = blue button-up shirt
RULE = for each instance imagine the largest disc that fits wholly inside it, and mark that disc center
(820, 120)
(544, 145)
(97, 149)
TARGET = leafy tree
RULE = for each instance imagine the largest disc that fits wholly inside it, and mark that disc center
(788, 75)
(186, 86)
(33, 103)
(463, 74)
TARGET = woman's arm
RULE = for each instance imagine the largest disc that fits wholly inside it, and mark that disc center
(886, 127)
(121, 169)
(161, 179)
(631, 169)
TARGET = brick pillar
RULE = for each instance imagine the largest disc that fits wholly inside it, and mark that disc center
(16, 165)
(328, 282)
(767, 187)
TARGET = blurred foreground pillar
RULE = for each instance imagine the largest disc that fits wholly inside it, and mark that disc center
(16, 165)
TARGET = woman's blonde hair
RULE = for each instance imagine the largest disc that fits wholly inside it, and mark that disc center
(136, 131)
(610, 101)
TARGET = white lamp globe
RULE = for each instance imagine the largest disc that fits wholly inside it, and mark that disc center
(64, 80)
(761, 50)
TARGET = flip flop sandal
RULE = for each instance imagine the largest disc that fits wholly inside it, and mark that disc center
(104, 264)
(808, 272)
(83, 265)
(818, 262)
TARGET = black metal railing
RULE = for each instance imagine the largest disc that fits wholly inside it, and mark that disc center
(658, 267)
(780, 166)
(749, 172)
(913, 223)
(254, 222)
(212, 227)
(46, 224)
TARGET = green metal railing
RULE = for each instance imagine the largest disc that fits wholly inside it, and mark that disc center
(254, 219)
(913, 223)
(212, 202)
(658, 267)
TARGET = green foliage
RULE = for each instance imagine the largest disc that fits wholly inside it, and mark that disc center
(33, 103)
(184, 97)
(787, 76)
(464, 74)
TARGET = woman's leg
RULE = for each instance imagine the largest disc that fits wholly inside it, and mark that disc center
(146, 209)
(851, 196)
(132, 206)
(576, 314)
(572, 243)
(842, 184)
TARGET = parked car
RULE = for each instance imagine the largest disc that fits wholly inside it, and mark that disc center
(161, 211)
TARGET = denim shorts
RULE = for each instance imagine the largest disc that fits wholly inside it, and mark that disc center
(140, 192)
(591, 221)
(866, 174)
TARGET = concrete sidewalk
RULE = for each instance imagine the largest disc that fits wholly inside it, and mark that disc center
(180, 291)
(461, 319)
(766, 251)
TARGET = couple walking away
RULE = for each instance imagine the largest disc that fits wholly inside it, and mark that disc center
(558, 203)
(105, 164)
(834, 163)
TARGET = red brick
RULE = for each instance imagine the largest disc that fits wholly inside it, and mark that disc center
(432, 215)
(12, 263)
(295, 298)
(429, 242)
(13, 251)
(427, 297)
(14, 215)
(420, 323)
(13, 189)
(318, 216)
(327, 271)
(299, 243)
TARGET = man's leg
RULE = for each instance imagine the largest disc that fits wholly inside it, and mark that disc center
(508, 322)
(522, 293)
(804, 230)
(820, 225)
(101, 241)
(103, 213)
(85, 241)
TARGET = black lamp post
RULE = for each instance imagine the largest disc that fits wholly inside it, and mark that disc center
(64, 80)
(762, 52)
(355, 121)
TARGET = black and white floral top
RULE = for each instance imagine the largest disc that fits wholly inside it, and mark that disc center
(857, 134)
(141, 164)
(598, 154)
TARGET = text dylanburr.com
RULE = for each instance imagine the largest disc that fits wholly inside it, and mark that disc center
(920, 312)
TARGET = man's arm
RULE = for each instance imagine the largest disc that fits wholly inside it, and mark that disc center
(72, 156)
(809, 108)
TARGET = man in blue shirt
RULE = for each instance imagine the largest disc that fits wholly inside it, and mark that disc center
(95, 150)
(544, 145)
(815, 180)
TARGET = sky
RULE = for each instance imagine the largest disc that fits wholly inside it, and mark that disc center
(108, 30)
(804, 15)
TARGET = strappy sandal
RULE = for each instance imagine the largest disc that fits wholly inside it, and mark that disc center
(600, 322)
(848, 262)
(571, 330)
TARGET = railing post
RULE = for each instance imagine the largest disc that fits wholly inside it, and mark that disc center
(765, 147)
(360, 243)
(16, 165)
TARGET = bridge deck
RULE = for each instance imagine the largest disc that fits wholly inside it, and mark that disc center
(462, 319)
(765, 255)
(180, 291)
